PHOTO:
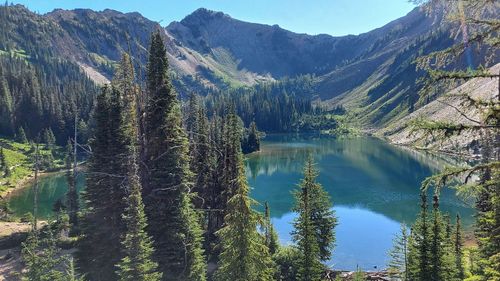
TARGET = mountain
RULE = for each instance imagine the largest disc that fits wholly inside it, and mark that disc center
(450, 107)
(372, 74)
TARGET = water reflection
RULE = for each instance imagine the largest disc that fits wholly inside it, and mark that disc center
(374, 186)
(51, 188)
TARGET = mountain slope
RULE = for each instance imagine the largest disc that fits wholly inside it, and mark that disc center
(371, 74)
(450, 107)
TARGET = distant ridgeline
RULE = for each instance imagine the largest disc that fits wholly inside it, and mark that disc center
(43, 84)
(271, 75)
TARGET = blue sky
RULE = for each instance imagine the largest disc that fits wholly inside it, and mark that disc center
(335, 17)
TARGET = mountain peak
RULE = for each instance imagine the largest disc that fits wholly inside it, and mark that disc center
(203, 15)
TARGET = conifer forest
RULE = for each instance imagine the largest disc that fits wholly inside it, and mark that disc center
(217, 149)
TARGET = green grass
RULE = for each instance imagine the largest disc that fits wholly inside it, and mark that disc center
(18, 157)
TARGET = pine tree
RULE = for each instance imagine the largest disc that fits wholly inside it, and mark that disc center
(287, 260)
(201, 159)
(270, 235)
(459, 255)
(192, 128)
(72, 201)
(314, 227)
(41, 257)
(437, 250)
(137, 263)
(251, 142)
(2, 159)
(244, 255)
(5, 107)
(21, 135)
(475, 16)
(419, 245)
(48, 138)
(137, 246)
(442, 257)
(215, 200)
(71, 274)
(398, 263)
(173, 223)
(5, 164)
(99, 248)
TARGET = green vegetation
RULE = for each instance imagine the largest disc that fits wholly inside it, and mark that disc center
(166, 197)
(17, 161)
(174, 225)
(481, 181)
(244, 254)
(314, 227)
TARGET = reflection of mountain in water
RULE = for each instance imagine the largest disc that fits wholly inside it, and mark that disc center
(364, 172)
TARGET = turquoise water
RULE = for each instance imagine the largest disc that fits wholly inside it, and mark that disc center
(374, 187)
(50, 189)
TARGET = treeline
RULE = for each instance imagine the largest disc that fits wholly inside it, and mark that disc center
(274, 107)
(43, 94)
(432, 249)
(164, 201)
(39, 90)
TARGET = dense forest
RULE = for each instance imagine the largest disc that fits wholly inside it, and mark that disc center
(162, 203)
(167, 195)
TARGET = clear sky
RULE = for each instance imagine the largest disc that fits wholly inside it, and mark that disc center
(335, 17)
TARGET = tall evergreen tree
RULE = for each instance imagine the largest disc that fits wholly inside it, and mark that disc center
(2, 159)
(398, 264)
(72, 201)
(21, 135)
(445, 68)
(137, 264)
(193, 108)
(5, 165)
(419, 245)
(244, 255)
(431, 253)
(270, 235)
(437, 244)
(173, 223)
(6, 107)
(458, 251)
(48, 138)
(201, 159)
(251, 142)
(42, 258)
(215, 199)
(314, 226)
(103, 226)
(137, 246)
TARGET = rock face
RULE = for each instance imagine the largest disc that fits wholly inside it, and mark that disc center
(371, 74)
(450, 107)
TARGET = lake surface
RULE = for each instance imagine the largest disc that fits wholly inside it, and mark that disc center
(374, 187)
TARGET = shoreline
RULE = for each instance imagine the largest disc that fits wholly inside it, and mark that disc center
(26, 181)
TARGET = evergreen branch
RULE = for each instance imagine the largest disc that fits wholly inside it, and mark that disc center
(441, 179)
(438, 75)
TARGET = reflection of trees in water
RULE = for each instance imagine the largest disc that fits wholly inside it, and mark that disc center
(364, 172)
(51, 188)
